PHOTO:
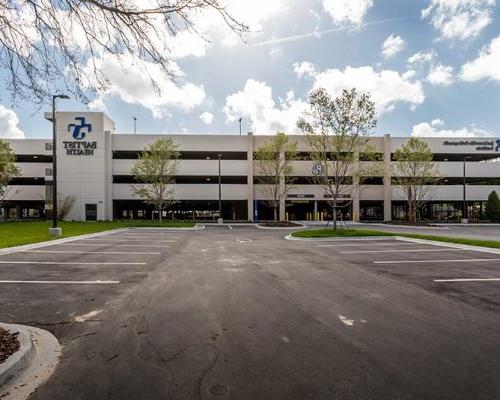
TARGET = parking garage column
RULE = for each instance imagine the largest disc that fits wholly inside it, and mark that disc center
(387, 179)
(250, 194)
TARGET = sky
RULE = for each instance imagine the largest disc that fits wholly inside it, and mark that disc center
(431, 66)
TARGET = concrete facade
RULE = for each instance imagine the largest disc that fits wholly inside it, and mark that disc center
(94, 162)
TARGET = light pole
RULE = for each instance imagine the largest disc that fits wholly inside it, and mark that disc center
(55, 230)
(220, 220)
(135, 124)
(241, 119)
(465, 211)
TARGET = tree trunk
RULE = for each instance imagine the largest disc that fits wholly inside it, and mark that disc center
(410, 207)
(275, 210)
(335, 215)
(159, 215)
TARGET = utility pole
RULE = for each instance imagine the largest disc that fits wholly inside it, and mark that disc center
(55, 230)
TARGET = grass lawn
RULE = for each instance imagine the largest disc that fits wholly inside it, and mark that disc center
(19, 233)
(326, 233)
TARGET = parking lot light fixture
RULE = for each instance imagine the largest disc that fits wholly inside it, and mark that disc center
(55, 230)
(465, 216)
(220, 220)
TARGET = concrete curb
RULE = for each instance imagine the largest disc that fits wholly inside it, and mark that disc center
(451, 245)
(403, 239)
(18, 361)
(37, 359)
(37, 245)
(340, 239)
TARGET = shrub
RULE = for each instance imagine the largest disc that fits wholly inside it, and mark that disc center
(493, 207)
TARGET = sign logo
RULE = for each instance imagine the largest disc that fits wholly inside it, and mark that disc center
(80, 131)
(317, 169)
(78, 147)
(497, 145)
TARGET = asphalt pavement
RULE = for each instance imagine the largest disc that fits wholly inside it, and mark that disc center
(243, 313)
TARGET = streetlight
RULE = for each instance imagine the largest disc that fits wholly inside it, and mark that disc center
(135, 124)
(241, 119)
(55, 230)
(220, 220)
(465, 211)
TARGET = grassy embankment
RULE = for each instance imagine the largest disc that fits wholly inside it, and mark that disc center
(330, 233)
(19, 233)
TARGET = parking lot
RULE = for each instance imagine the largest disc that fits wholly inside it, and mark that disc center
(467, 275)
(235, 312)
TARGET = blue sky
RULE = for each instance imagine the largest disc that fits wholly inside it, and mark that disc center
(433, 67)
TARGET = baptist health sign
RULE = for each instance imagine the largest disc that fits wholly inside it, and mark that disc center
(84, 163)
(80, 131)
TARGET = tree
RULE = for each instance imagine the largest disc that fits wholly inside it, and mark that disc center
(274, 163)
(8, 170)
(414, 173)
(46, 46)
(337, 131)
(493, 207)
(155, 171)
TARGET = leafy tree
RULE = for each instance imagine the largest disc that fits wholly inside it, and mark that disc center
(47, 46)
(8, 169)
(414, 173)
(493, 207)
(155, 171)
(274, 163)
(337, 131)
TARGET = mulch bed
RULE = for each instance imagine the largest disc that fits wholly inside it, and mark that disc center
(8, 344)
(280, 224)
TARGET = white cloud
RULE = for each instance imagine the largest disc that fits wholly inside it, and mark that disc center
(131, 80)
(350, 12)
(387, 87)
(433, 129)
(304, 68)
(486, 65)
(207, 118)
(459, 19)
(255, 102)
(421, 58)
(392, 46)
(9, 128)
(253, 13)
(441, 75)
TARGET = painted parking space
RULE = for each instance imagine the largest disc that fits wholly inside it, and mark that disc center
(464, 274)
(50, 284)
(87, 261)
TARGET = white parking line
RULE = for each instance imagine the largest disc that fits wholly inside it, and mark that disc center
(71, 263)
(86, 252)
(159, 237)
(376, 244)
(131, 240)
(67, 282)
(468, 280)
(436, 261)
(395, 251)
(114, 245)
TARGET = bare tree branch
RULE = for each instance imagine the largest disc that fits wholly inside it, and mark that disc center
(45, 45)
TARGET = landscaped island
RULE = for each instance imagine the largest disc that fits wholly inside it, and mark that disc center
(340, 233)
